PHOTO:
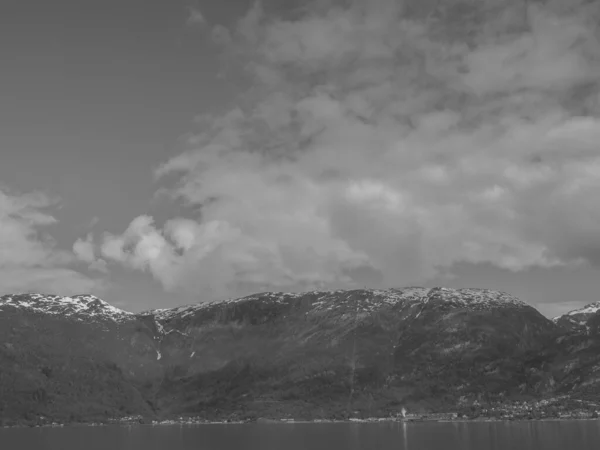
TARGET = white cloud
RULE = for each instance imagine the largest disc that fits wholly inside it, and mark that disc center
(195, 17)
(59, 281)
(551, 56)
(21, 243)
(380, 148)
(85, 250)
(29, 258)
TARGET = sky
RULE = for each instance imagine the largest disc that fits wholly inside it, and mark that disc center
(169, 152)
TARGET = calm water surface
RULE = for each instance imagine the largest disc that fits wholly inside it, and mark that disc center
(575, 435)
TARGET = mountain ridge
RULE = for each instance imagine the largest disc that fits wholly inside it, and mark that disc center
(78, 306)
(90, 300)
(314, 354)
(81, 305)
(580, 318)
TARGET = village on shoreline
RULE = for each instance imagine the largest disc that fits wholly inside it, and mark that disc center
(516, 413)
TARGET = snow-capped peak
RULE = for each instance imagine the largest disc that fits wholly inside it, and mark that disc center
(592, 308)
(374, 299)
(578, 317)
(79, 307)
(365, 300)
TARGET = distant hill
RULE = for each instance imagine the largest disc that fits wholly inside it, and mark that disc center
(306, 355)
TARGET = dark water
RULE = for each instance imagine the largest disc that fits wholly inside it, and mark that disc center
(575, 435)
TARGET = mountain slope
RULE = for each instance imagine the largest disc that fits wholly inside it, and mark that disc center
(61, 368)
(99, 329)
(308, 355)
(343, 349)
(576, 352)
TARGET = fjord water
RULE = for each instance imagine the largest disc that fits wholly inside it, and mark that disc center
(580, 435)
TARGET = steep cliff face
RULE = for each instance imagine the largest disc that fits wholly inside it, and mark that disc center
(304, 354)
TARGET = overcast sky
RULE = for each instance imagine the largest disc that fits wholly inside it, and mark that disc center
(167, 152)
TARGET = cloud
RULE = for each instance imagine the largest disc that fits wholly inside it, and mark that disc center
(195, 16)
(382, 144)
(59, 281)
(20, 242)
(29, 258)
(94, 221)
(84, 250)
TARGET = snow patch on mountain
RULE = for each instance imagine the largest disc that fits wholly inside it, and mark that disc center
(578, 318)
(80, 307)
(592, 308)
(162, 332)
(372, 300)
(361, 300)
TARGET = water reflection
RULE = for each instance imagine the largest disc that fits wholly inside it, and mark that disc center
(576, 435)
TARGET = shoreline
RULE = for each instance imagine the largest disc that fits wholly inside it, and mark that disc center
(292, 422)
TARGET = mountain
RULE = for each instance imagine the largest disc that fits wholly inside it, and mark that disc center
(88, 308)
(372, 349)
(576, 352)
(307, 355)
(82, 322)
(580, 319)
(55, 360)
(72, 358)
